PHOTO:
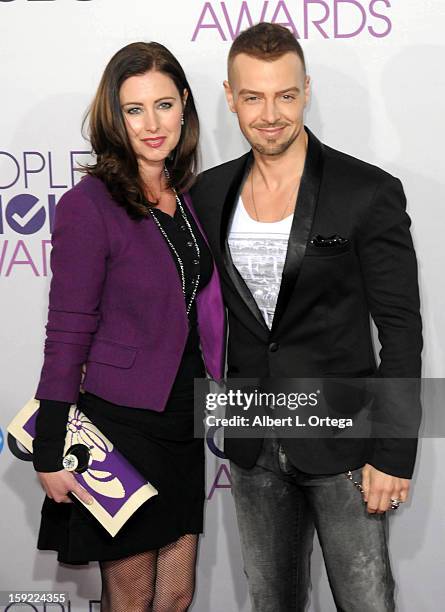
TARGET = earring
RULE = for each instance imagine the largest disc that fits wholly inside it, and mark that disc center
(182, 118)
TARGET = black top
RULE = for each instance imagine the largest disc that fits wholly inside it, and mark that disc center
(52, 416)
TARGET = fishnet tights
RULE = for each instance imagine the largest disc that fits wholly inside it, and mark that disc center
(157, 580)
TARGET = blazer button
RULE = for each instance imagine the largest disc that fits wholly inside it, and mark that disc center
(273, 347)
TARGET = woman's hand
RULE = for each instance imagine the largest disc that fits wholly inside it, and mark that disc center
(57, 485)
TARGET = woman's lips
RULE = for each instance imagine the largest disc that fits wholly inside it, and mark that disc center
(154, 143)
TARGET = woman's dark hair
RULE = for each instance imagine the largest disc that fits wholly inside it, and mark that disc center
(116, 164)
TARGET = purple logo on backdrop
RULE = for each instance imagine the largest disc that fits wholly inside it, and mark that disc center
(222, 478)
(93, 604)
(43, 0)
(24, 212)
(211, 442)
(305, 18)
(1, 440)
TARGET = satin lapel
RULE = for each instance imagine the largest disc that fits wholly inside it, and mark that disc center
(301, 224)
(230, 201)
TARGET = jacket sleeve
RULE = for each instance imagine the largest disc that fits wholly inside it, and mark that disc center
(389, 270)
(78, 264)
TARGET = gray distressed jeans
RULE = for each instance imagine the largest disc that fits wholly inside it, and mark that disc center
(277, 509)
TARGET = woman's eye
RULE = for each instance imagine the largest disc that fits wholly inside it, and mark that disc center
(165, 105)
(134, 110)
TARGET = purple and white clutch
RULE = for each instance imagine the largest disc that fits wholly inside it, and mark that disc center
(117, 487)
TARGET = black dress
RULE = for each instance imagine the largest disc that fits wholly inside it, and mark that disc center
(161, 445)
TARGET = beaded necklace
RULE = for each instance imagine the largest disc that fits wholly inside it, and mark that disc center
(175, 252)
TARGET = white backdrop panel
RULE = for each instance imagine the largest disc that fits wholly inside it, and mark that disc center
(378, 91)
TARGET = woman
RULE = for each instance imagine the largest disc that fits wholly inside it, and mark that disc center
(134, 294)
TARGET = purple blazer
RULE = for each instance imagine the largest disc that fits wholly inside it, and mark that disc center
(116, 304)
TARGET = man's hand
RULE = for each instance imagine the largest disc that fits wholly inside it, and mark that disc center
(379, 488)
(57, 485)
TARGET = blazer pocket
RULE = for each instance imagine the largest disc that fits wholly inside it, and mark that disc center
(110, 353)
(327, 251)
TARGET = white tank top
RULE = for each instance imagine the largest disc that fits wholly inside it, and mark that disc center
(258, 251)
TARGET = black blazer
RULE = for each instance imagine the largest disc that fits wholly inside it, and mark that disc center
(321, 325)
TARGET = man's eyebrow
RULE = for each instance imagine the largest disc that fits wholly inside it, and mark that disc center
(294, 88)
(243, 92)
(249, 91)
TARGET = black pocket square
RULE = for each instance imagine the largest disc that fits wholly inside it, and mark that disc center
(328, 241)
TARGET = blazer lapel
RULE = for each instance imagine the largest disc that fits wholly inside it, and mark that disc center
(301, 224)
(228, 209)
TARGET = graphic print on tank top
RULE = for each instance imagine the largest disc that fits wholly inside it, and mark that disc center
(258, 251)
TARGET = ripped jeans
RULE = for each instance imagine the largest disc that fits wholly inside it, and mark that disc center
(278, 507)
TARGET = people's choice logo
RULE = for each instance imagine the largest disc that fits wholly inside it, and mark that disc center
(31, 183)
(305, 18)
(25, 214)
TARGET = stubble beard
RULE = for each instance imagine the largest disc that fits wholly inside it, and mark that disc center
(274, 149)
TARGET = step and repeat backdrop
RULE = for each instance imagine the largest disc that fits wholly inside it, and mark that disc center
(378, 91)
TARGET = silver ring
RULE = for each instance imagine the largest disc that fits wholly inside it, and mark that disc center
(395, 503)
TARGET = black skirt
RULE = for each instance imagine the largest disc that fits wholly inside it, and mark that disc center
(164, 450)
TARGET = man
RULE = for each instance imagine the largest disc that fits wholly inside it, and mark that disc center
(310, 242)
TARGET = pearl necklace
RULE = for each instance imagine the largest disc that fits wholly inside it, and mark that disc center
(175, 252)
